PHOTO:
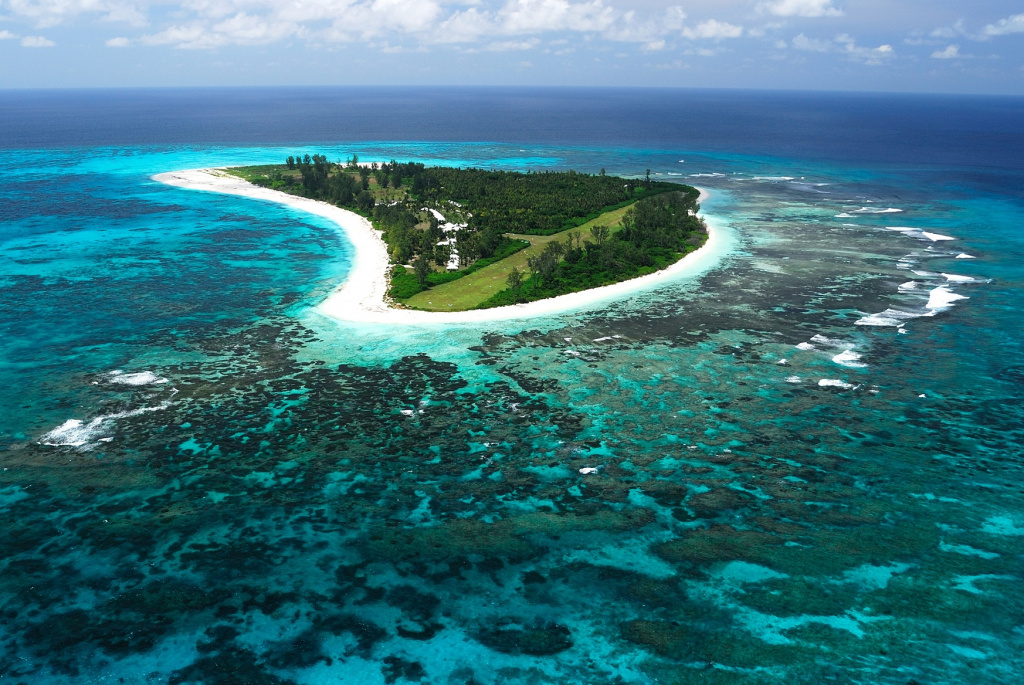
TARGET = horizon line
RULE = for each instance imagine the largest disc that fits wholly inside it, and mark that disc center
(721, 89)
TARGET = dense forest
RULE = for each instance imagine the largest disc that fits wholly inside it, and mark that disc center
(535, 203)
(443, 223)
(404, 202)
(655, 233)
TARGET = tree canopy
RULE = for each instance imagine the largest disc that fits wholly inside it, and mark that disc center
(479, 208)
(655, 233)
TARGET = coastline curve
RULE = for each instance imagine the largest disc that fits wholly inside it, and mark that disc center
(362, 298)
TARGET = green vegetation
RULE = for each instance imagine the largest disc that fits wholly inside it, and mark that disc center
(477, 238)
(656, 232)
(476, 288)
(405, 284)
(534, 203)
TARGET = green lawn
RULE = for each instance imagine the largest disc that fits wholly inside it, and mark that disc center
(472, 290)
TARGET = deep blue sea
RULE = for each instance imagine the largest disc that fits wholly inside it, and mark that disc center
(808, 460)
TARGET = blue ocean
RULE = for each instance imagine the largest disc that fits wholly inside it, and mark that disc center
(804, 464)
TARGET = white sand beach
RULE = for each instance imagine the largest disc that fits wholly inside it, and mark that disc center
(362, 297)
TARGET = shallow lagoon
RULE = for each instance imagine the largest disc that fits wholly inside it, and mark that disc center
(312, 502)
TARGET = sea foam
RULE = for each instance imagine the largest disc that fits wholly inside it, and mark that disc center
(890, 317)
(920, 233)
(942, 298)
(140, 378)
(76, 433)
(849, 358)
(877, 210)
(822, 340)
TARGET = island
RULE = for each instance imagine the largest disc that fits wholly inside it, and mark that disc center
(444, 243)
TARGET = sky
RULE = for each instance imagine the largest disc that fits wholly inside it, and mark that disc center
(939, 46)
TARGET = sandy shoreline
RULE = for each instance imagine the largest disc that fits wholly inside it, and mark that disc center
(362, 298)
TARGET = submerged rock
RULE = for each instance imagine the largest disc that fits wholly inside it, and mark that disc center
(541, 638)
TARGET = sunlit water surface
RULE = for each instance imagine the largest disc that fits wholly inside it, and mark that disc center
(801, 466)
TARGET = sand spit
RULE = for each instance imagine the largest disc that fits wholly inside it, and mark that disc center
(362, 298)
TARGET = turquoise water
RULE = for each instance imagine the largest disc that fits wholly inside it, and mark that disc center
(206, 481)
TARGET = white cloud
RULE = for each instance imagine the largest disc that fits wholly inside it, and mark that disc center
(46, 13)
(946, 32)
(210, 24)
(370, 19)
(508, 45)
(960, 30)
(389, 49)
(409, 16)
(484, 25)
(36, 42)
(952, 52)
(247, 29)
(872, 56)
(128, 14)
(846, 45)
(7, 35)
(801, 8)
(535, 16)
(463, 27)
(366, 17)
(674, 18)
(628, 28)
(1014, 24)
(241, 29)
(714, 30)
(802, 42)
(650, 31)
(189, 37)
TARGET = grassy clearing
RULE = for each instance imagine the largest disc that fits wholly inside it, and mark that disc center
(474, 289)
(547, 206)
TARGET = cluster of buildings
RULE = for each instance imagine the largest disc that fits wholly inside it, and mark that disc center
(451, 233)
